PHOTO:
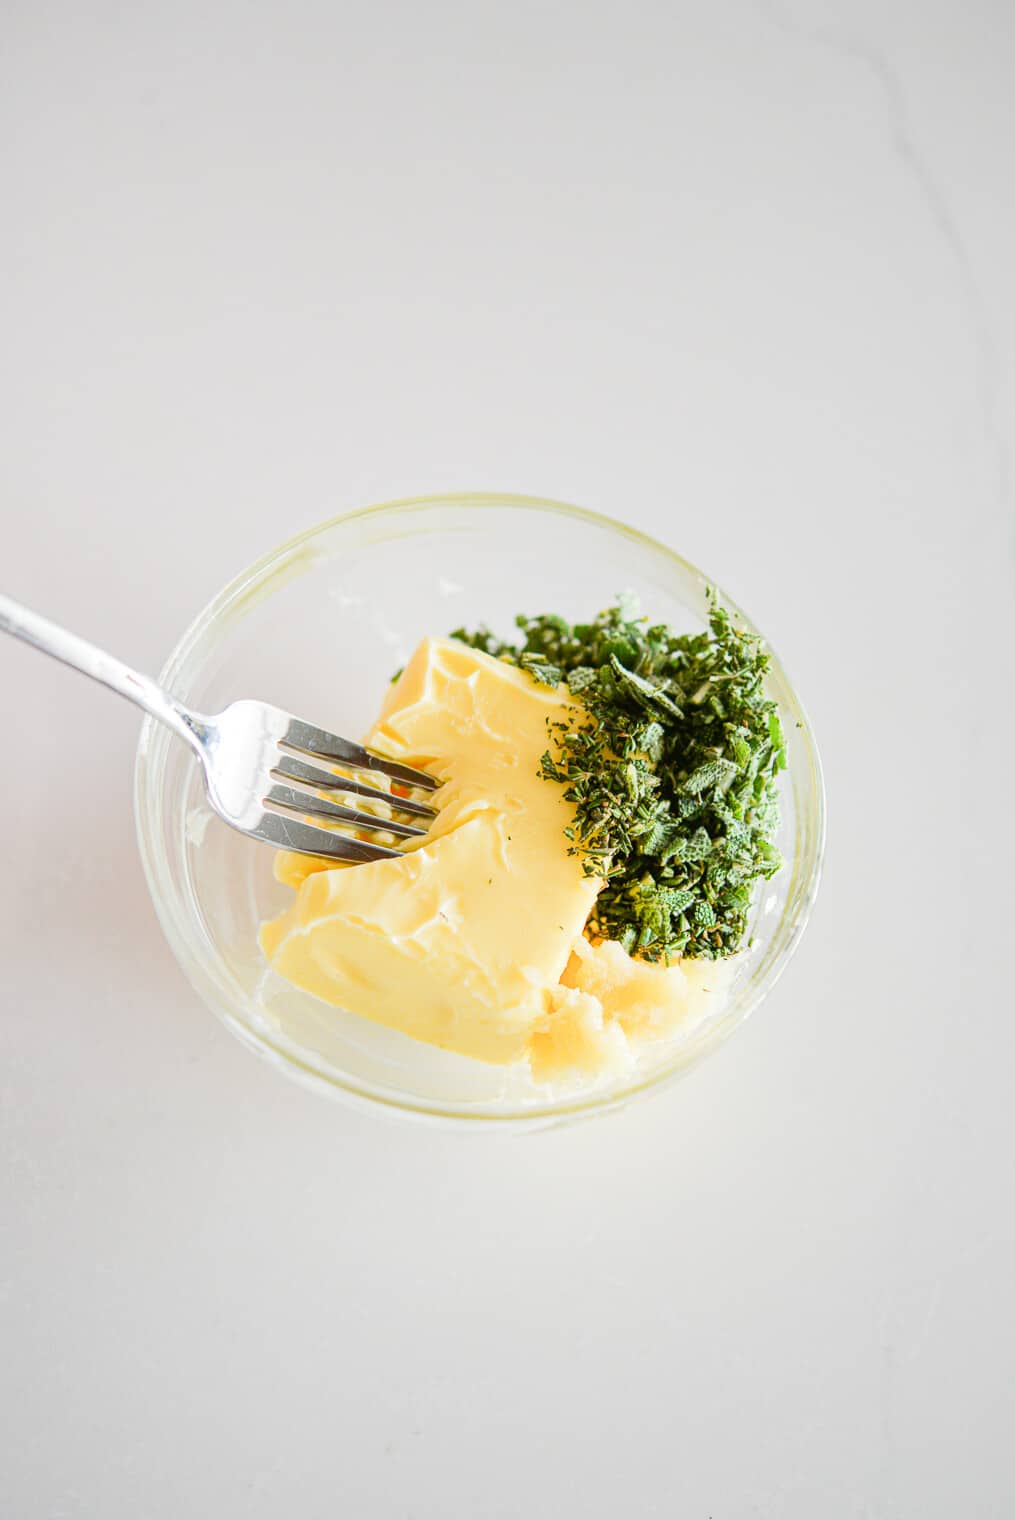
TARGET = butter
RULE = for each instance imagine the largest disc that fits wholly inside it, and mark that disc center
(471, 940)
(461, 940)
(609, 1004)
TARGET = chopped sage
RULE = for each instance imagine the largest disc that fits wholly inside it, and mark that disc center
(670, 755)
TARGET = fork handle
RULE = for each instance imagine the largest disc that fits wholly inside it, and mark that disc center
(102, 667)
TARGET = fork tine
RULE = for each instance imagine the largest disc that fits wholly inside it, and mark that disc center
(305, 839)
(318, 807)
(317, 741)
(311, 775)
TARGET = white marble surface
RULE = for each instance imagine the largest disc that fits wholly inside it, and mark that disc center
(743, 275)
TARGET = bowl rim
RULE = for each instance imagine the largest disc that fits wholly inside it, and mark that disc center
(153, 745)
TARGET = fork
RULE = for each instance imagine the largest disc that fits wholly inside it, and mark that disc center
(251, 755)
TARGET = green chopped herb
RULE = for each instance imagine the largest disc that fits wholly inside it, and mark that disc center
(670, 758)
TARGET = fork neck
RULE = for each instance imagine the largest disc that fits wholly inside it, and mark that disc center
(190, 726)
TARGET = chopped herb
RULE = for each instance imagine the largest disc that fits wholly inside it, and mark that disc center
(671, 759)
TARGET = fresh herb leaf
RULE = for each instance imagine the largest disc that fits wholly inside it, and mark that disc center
(670, 756)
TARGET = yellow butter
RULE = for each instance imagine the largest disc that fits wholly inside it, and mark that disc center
(463, 939)
(472, 939)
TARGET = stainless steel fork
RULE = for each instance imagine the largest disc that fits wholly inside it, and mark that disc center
(252, 754)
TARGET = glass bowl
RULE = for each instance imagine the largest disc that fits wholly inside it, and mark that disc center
(318, 627)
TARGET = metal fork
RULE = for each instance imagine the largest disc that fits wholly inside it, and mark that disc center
(251, 754)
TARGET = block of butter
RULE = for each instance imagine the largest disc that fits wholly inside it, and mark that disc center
(472, 939)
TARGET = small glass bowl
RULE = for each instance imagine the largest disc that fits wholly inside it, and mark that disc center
(318, 627)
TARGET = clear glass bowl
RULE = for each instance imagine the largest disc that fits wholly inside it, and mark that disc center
(318, 627)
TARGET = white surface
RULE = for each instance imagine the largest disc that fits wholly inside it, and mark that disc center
(742, 274)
